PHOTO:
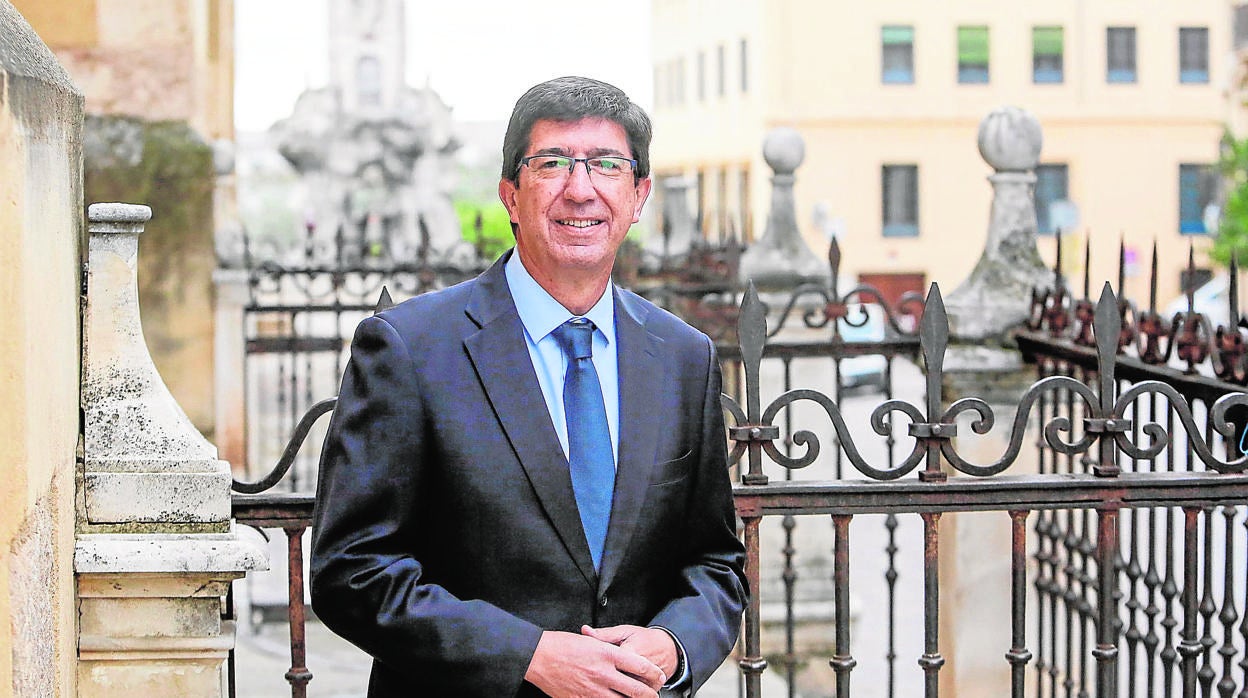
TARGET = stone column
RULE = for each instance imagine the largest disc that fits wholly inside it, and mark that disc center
(780, 259)
(981, 362)
(156, 549)
(230, 360)
(997, 295)
(676, 232)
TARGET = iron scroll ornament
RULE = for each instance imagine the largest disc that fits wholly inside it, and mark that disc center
(754, 431)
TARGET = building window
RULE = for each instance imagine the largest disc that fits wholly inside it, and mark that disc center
(1046, 55)
(701, 76)
(1196, 190)
(745, 64)
(972, 55)
(901, 200)
(1193, 55)
(658, 87)
(1052, 185)
(720, 61)
(1120, 54)
(1240, 32)
(897, 55)
(680, 81)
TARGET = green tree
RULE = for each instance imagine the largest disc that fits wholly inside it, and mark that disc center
(1232, 235)
(495, 234)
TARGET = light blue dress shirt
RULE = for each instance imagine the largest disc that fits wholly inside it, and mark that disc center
(540, 314)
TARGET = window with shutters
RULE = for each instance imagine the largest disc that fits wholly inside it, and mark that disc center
(1047, 55)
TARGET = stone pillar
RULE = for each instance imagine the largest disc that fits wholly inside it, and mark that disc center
(780, 259)
(156, 549)
(230, 359)
(677, 229)
(981, 362)
(41, 236)
(997, 296)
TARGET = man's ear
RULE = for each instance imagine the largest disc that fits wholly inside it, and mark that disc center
(643, 193)
(507, 191)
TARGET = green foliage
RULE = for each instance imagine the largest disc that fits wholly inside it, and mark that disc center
(495, 235)
(1232, 236)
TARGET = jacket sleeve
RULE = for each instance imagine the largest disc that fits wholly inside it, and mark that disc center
(706, 615)
(365, 584)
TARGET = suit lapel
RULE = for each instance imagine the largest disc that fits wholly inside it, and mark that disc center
(501, 358)
(641, 378)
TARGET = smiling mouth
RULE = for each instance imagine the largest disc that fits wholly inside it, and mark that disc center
(579, 223)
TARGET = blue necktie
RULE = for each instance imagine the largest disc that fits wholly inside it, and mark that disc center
(592, 465)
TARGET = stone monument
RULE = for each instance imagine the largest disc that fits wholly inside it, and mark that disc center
(780, 259)
(374, 153)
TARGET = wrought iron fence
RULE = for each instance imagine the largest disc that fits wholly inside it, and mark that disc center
(302, 306)
(1092, 433)
(1135, 463)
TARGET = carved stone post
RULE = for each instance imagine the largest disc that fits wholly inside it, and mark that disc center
(156, 549)
(982, 362)
(997, 295)
(781, 259)
(677, 227)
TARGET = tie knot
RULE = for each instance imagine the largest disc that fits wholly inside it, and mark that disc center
(575, 337)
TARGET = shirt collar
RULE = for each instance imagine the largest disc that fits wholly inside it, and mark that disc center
(540, 313)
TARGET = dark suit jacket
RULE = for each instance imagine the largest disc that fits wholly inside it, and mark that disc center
(446, 535)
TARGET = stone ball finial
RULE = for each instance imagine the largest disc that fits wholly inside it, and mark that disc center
(784, 149)
(1010, 139)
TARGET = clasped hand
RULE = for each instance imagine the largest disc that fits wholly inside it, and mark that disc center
(618, 660)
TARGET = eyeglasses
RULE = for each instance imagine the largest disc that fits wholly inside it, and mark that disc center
(558, 167)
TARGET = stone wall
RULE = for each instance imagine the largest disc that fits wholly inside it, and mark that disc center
(41, 234)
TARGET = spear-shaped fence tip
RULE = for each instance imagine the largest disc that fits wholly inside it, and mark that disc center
(1233, 318)
(1106, 326)
(1191, 278)
(1057, 265)
(1087, 266)
(834, 263)
(384, 301)
(752, 327)
(934, 328)
(1152, 282)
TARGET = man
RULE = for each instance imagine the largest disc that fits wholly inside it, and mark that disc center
(524, 489)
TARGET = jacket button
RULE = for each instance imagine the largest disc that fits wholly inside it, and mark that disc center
(602, 602)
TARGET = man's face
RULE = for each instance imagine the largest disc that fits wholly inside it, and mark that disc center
(573, 224)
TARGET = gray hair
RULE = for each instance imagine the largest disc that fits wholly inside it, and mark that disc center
(572, 99)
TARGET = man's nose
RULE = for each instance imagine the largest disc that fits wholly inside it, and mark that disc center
(579, 186)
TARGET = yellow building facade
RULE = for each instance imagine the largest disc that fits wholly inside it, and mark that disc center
(889, 97)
